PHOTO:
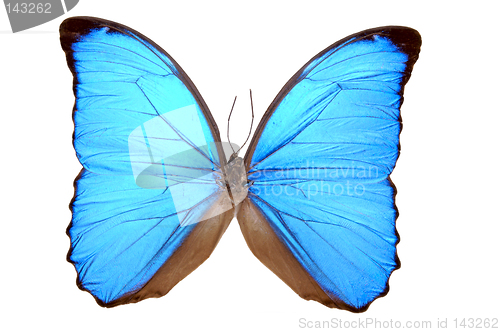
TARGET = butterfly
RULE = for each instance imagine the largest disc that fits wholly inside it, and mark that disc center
(312, 195)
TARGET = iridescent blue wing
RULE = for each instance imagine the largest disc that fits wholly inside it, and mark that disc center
(320, 213)
(143, 211)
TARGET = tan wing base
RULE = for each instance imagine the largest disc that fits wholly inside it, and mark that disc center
(267, 247)
(194, 251)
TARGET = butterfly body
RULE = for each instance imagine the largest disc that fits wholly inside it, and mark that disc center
(236, 180)
(313, 194)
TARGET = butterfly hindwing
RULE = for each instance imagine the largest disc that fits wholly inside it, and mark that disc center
(150, 152)
(320, 163)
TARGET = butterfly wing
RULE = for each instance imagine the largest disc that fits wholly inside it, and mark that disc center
(321, 213)
(147, 208)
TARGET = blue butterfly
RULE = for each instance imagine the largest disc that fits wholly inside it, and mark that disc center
(313, 194)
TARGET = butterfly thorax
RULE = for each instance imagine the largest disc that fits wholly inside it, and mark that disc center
(236, 179)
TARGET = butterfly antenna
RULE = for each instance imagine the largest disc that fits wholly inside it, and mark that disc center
(229, 118)
(251, 124)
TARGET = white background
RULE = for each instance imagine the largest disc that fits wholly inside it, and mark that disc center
(447, 175)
